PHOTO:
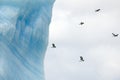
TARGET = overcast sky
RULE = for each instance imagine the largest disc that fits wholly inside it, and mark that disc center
(93, 40)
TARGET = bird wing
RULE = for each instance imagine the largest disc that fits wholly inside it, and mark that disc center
(81, 57)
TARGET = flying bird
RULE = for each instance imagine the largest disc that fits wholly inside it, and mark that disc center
(81, 23)
(97, 10)
(81, 58)
(115, 35)
(53, 45)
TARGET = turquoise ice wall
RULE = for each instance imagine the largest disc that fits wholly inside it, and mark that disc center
(24, 29)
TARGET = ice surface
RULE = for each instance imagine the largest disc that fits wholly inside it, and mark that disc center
(24, 28)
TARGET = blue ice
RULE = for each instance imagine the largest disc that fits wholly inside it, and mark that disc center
(24, 28)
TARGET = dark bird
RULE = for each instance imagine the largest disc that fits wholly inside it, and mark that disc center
(81, 23)
(97, 10)
(115, 35)
(81, 58)
(53, 45)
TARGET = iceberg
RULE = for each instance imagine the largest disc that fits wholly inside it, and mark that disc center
(24, 29)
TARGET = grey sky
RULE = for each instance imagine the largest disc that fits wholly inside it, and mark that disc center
(93, 41)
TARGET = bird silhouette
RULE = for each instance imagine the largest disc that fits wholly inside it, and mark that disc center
(81, 58)
(81, 23)
(115, 35)
(97, 10)
(53, 45)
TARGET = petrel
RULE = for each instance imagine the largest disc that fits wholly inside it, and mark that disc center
(81, 58)
(53, 45)
(81, 23)
(115, 35)
(97, 10)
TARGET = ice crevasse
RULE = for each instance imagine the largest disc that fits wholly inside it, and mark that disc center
(24, 29)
